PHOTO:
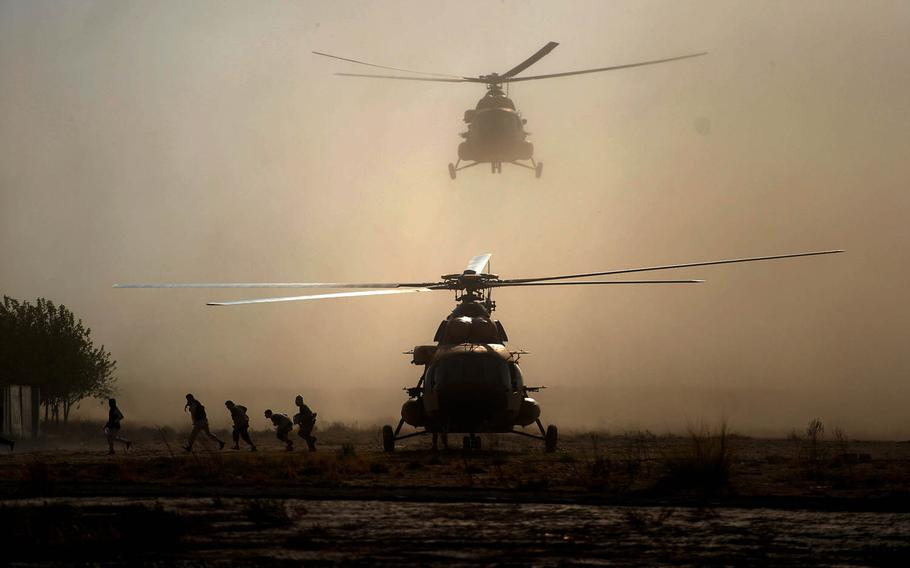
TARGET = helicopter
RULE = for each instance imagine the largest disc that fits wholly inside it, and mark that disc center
(495, 129)
(471, 382)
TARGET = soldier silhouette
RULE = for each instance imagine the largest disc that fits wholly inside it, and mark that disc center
(9, 443)
(306, 420)
(241, 425)
(112, 428)
(200, 423)
(283, 427)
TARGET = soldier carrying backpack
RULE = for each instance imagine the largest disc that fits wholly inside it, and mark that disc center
(283, 427)
(241, 425)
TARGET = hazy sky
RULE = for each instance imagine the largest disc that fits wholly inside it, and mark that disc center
(174, 141)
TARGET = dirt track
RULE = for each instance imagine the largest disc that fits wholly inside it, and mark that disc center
(316, 532)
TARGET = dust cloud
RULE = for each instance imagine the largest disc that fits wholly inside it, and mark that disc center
(202, 141)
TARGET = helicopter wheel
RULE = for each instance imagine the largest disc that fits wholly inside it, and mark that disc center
(550, 439)
(388, 439)
(451, 170)
(538, 169)
(492, 167)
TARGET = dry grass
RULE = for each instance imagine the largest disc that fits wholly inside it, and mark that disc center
(703, 463)
(609, 465)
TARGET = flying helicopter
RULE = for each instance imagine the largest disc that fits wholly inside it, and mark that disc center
(496, 132)
(471, 382)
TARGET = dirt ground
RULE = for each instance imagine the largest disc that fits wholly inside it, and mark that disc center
(634, 498)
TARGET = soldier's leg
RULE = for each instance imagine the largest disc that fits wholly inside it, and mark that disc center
(119, 438)
(306, 431)
(9, 443)
(110, 435)
(283, 436)
(245, 433)
(214, 438)
(197, 426)
(236, 436)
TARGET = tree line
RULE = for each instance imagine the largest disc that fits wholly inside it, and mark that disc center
(45, 345)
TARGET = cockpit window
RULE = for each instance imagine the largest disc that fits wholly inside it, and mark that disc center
(496, 122)
(469, 369)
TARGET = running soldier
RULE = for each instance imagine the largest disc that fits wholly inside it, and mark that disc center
(283, 427)
(200, 423)
(305, 419)
(112, 428)
(241, 425)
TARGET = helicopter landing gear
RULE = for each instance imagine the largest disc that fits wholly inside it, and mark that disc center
(471, 443)
(388, 439)
(496, 167)
(457, 167)
(390, 436)
(537, 167)
(551, 438)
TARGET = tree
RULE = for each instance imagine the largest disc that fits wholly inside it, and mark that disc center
(46, 345)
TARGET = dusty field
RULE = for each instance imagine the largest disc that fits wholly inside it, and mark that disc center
(629, 499)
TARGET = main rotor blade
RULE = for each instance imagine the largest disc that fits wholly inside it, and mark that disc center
(321, 296)
(336, 285)
(477, 264)
(531, 60)
(398, 77)
(599, 69)
(596, 282)
(385, 66)
(668, 267)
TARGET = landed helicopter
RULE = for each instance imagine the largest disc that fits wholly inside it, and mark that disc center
(471, 383)
(496, 132)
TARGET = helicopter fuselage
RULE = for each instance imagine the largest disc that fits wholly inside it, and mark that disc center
(495, 133)
(471, 382)
(472, 388)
